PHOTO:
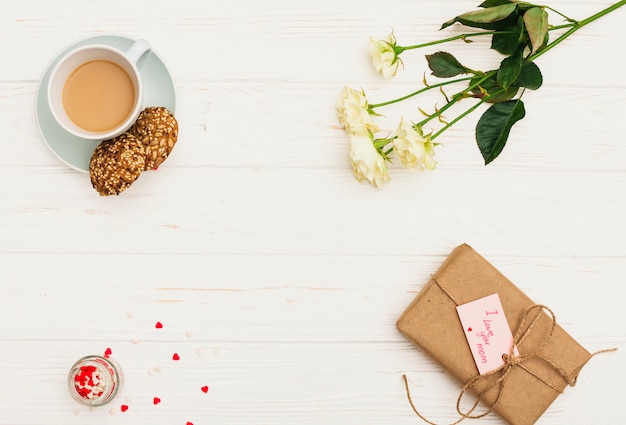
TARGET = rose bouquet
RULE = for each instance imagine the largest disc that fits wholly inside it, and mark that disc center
(519, 31)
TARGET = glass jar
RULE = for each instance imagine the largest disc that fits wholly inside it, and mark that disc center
(94, 380)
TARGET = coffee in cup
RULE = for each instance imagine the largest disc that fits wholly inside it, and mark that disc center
(95, 92)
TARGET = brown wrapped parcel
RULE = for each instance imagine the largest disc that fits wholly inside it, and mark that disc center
(520, 392)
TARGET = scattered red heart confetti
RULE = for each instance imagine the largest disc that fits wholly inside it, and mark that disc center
(469, 329)
(107, 353)
(175, 357)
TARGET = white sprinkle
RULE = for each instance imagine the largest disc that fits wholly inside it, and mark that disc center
(134, 341)
(199, 351)
(76, 411)
(128, 399)
(130, 314)
(151, 371)
(217, 350)
(113, 411)
(188, 334)
(157, 368)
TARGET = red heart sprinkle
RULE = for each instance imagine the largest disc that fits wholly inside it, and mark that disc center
(124, 407)
(469, 329)
(107, 352)
(205, 389)
(156, 400)
(189, 423)
(158, 325)
(175, 356)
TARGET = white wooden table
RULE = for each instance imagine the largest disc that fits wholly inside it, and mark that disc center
(277, 277)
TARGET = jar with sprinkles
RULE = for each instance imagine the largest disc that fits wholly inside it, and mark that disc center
(94, 380)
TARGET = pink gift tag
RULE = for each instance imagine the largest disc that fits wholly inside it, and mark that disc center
(487, 332)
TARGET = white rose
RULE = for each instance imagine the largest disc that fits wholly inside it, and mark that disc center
(353, 112)
(415, 151)
(384, 56)
(367, 163)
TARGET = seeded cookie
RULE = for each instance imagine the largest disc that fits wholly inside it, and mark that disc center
(157, 129)
(115, 164)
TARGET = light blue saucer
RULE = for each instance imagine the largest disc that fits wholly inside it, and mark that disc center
(76, 152)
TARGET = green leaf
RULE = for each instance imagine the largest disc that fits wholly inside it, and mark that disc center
(523, 6)
(496, 17)
(492, 3)
(494, 127)
(536, 21)
(444, 65)
(529, 76)
(507, 41)
(510, 69)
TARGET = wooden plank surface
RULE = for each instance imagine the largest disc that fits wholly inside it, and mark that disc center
(277, 276)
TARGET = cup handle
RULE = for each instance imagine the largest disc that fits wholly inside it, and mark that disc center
(137, 50)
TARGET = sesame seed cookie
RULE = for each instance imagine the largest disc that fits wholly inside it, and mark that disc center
(157, 129)
(115, 164)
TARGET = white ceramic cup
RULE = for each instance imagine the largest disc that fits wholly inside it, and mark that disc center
(65, 67)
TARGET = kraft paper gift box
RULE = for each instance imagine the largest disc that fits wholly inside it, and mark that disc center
(432, 323)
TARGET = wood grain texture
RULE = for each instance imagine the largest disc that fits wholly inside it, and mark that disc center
(277, 276)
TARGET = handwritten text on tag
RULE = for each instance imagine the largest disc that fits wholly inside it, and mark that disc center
(487, 332)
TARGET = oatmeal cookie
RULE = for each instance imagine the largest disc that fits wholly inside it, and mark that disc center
(157, 129)
(116, 163)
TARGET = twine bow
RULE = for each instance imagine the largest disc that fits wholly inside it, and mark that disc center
(510, 361)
